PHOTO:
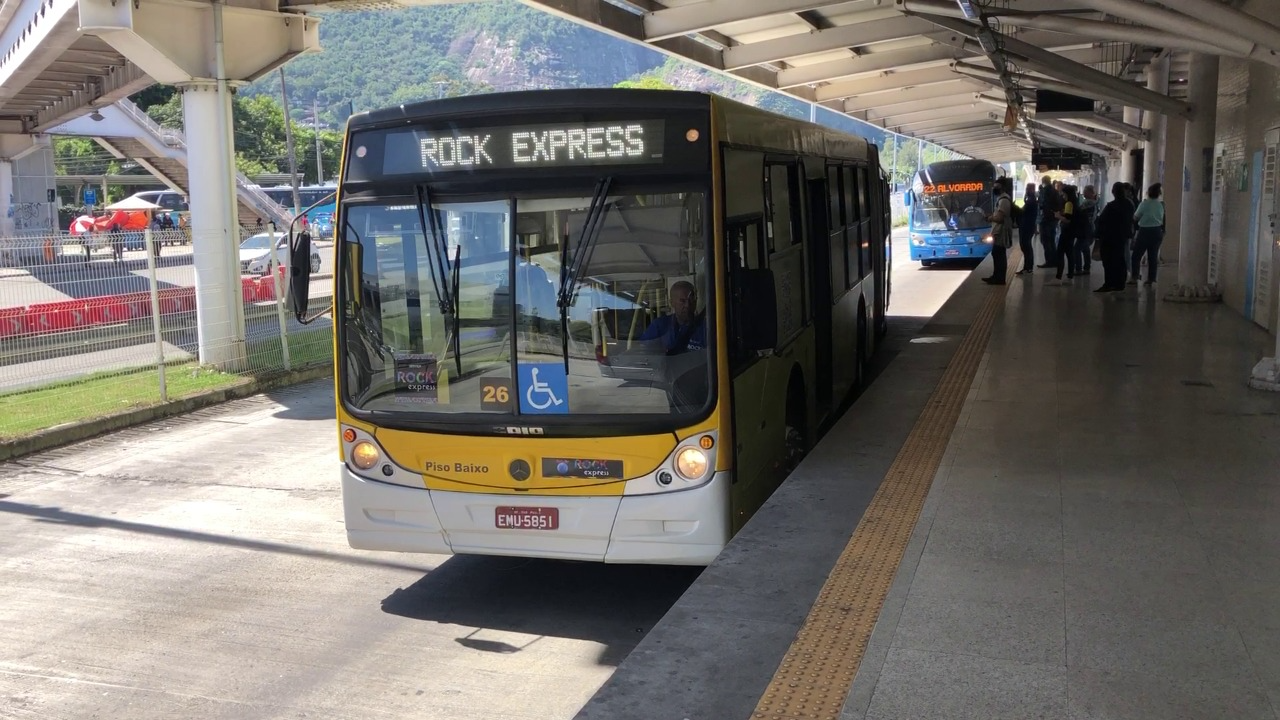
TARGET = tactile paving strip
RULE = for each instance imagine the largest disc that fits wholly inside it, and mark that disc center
(816, 673)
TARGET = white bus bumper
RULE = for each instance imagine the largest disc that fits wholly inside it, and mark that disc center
(686, 527)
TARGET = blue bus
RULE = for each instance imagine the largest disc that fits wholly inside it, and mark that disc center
(949, 203)
(321, 217)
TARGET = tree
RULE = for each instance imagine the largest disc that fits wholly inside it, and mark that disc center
(154, 95)
(646, 82)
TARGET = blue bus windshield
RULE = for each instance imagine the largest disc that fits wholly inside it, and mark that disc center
(951, 197)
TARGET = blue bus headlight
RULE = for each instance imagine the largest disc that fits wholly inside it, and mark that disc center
(917, 240)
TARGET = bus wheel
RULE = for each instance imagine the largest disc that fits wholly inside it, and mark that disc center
(860, 376)
(796, 440)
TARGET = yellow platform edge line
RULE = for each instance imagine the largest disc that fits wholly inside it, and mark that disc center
(817, 672)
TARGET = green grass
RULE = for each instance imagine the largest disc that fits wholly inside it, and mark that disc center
(29, 411)
(100, 394)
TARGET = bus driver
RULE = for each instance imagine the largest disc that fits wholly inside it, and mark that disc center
(683, 329)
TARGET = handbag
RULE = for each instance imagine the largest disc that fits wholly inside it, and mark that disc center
(1097, 251)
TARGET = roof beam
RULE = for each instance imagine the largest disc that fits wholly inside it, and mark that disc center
(1034, 81)
(1105, 123)
(845, 36)
(611, 19)
(888, 80)
(1235, 20)
(1227, 28)
(1083, 76)
(924, 92)
(924, 126)
(1211, 41)
(965, 97)
(854, 89)
(940, 113)
(1075, 132)
(922, 56)
(1059, 139)
(686, 19)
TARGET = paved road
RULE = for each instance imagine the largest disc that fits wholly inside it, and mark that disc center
(918, 292)
(197, 567)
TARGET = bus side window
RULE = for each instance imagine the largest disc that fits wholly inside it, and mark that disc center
(864, 203)
(853, 220)
(836, 216)
(781, 195)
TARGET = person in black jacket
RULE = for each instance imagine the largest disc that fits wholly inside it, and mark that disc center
(1050, 204)
(1113, 230)
(1027, 229)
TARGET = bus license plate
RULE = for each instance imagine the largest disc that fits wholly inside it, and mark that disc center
(953, 252)
(527, 518)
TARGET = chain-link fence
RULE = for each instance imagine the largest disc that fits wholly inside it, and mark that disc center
(96, 323)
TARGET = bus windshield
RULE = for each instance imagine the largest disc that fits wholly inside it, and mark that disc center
(952, 206)
(467, 317)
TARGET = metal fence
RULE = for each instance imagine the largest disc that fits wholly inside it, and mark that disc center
(91, 325)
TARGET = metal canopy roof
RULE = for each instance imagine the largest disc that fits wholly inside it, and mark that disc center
(945, 70)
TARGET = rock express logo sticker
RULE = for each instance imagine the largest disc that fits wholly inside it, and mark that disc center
(582, 468)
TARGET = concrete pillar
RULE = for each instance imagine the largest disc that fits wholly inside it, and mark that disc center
(6, 198)
(1154, 122)
(1128, 161)
(1174, 180)
(1202, 92)
(213, 228)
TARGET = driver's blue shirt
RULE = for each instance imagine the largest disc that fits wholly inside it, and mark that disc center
(669, 331)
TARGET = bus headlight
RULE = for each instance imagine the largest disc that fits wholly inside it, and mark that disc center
(917, 240)
(988, 240)
(691, 463)
(365, 455)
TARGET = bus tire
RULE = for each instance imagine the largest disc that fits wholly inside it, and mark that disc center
(860, 361)
(797, 440)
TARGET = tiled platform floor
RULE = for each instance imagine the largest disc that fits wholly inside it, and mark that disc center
(1103, 538)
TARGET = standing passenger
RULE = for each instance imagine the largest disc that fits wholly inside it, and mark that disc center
(1048, 222)
(1150, 219)
(1085, 215)
(1066, 234)
(1001, 234)
(1027, 229)
(1115, 226)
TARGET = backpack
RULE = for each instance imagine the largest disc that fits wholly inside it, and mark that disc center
(1016, 214)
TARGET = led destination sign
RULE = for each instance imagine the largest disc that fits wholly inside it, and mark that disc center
(953, 187)
(523, 146)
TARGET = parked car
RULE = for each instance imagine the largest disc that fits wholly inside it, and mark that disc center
(255, 254)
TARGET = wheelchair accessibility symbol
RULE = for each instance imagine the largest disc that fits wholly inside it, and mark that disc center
(544, 388)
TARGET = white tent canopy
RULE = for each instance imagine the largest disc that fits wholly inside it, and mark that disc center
(133, 203)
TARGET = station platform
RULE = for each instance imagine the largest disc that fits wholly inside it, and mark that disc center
(1050, 503)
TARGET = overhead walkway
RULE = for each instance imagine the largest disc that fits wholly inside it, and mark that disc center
(1051, 504)
(127, 132)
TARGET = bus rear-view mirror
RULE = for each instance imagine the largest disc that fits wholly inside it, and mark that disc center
(299, 273)
(906, 197)
(758, 327)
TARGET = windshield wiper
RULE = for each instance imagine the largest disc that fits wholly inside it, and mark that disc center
(571, 272)
(457, 310)
(433, 237)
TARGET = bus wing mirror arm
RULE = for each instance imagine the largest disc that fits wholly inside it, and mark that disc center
(758, 329)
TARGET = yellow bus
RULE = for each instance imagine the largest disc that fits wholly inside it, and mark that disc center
(597, 325)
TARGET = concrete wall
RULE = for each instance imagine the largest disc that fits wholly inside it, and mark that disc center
(1248, 106)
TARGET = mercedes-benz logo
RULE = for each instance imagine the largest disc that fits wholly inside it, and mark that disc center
(519, 470)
